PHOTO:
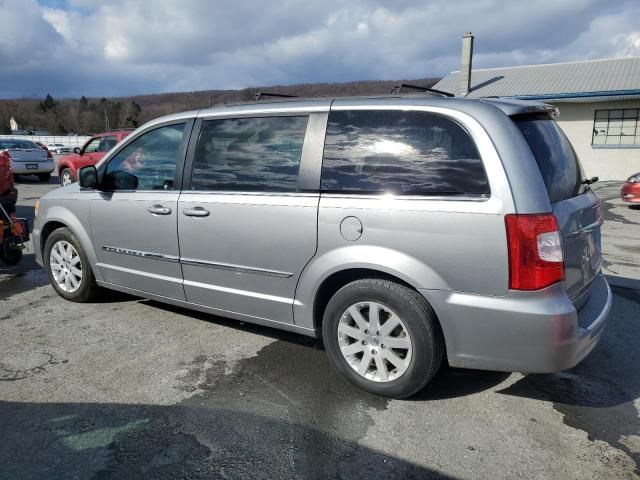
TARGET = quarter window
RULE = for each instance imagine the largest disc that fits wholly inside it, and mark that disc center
(249, 154)
(616, 127)
(148, 162)
(406, 153)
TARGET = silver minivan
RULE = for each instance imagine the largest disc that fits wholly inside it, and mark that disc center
(405, 231)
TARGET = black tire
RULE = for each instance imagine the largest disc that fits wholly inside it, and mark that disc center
(88, 289)
(64, 172)
(419, 319)
(10, 256)
(44, 177)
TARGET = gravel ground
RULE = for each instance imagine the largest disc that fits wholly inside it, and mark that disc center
(131, 388)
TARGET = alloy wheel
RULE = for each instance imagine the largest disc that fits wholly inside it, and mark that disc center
(66, 266)
(374, 341)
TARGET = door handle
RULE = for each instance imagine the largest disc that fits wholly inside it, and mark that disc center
(159, 210)
(196, 212)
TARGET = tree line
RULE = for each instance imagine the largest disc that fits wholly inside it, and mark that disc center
(92, 115)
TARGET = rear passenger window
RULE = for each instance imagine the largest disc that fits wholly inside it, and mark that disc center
(249, 154)
(406, 153)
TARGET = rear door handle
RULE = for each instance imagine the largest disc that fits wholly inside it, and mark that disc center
(196, 212)
(159, 210)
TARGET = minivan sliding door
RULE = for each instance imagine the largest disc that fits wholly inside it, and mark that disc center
(247, 223)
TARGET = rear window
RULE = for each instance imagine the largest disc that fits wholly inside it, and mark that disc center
(557, 161)
(15, 144)
(406, 153)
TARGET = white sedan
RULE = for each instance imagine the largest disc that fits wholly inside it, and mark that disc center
(58, 148)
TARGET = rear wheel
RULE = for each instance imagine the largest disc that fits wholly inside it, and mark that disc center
(68, 267)
(66, 177)
(383, 337)
(44, 177)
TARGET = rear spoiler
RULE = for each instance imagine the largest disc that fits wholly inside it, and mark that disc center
(522, 107)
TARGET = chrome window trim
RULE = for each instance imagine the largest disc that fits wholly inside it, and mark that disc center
(221, 193)
(386, 196)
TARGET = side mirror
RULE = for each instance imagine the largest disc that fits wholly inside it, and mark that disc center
(88, 177)
(77, 150)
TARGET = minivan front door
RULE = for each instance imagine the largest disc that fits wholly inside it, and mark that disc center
(134, 220)
(245, 226)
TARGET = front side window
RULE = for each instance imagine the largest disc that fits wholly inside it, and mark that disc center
(92, 146)
(249, 154)
(617, 127)
(400, 152)
(148, 162)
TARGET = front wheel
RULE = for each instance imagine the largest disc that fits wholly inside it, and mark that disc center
(44, 177)
(383, 337)
(68, 267)
(66, 177)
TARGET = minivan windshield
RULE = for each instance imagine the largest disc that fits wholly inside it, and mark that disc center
(557, 161)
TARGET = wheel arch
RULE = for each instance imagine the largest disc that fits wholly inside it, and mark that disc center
(339, 279)
(60, 217)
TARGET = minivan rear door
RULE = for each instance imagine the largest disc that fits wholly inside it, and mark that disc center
(576, 207)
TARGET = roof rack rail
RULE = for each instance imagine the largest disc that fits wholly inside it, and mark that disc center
(260, 95)
(398, 87)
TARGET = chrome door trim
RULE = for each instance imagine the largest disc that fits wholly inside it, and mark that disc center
(234, 268)
(584, 230)
(140, 253)
(197, 263)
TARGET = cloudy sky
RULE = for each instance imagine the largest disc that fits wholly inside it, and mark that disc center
(107, 48)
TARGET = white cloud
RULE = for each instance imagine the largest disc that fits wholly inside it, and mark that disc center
(133, 46)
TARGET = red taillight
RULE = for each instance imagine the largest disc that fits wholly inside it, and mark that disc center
(49, 155)
(535, 251)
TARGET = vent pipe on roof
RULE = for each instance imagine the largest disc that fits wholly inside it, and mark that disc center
(465, 68)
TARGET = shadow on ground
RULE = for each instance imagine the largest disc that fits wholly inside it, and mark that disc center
(598, 395)
(448, 383)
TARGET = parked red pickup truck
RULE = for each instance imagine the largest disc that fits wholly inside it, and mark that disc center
(91, 152)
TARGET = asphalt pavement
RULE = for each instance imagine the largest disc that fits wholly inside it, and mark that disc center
(131, 388)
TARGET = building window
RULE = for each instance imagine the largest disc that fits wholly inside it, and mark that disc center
(616, 127)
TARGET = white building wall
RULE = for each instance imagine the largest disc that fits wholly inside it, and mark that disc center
(576, 120)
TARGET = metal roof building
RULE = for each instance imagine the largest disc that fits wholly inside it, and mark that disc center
(599, 102)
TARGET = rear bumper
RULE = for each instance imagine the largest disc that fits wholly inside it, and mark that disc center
(20, 168)
(529, 332)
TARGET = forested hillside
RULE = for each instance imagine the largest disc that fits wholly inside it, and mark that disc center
(90, 115)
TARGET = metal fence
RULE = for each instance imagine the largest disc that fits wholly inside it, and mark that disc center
(67, 141)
